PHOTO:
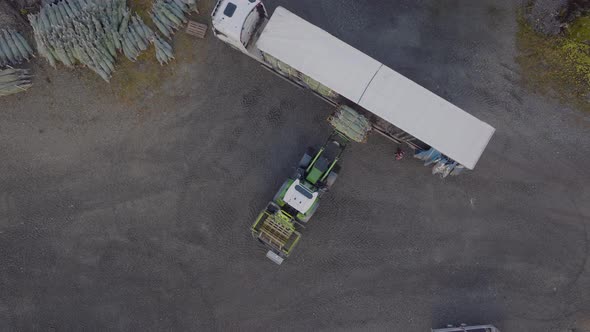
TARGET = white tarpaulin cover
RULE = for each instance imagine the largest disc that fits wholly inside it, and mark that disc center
(377, 88)
(317, 54)
(426, 116)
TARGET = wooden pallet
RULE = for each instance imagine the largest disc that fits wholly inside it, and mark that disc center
(196, 29)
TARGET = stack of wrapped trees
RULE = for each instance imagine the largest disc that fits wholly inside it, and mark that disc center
(14, 50)
(91, 33)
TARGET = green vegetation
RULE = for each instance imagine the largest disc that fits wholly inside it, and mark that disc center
(133, 79)
(579, 30)
(141, 7)
(558, 64)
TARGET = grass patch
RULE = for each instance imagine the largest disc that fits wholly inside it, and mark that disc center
(141, 7)
(133, 80)
(557, 65)
(579, 30)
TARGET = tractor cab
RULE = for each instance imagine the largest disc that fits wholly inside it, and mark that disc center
(299, 197)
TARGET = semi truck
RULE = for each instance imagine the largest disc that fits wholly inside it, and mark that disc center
(393, 106)
(311, 58)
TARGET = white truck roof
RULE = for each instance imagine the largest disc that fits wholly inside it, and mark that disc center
(228, 17)
(375, 87)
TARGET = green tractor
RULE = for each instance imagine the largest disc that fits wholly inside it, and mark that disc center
(277, 227)
(298, 199)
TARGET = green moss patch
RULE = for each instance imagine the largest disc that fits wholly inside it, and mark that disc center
(133, 80)
(579, 30)
(141, 7)
(557, 65)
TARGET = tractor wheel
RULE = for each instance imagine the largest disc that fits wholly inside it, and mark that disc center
(331, 179)
(306, 159)
(310, 213)
(332, 176)
(278, 194)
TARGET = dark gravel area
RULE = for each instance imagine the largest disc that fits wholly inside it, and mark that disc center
(134, 214)
(9, 17)
(546, 16)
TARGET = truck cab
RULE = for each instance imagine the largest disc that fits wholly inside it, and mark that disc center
(239, 23)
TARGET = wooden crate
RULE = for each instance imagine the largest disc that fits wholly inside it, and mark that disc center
(196, 29)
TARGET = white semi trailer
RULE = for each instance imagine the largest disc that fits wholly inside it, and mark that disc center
(312, 58)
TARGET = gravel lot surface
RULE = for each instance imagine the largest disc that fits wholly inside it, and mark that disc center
(132, 213)
(543, 15)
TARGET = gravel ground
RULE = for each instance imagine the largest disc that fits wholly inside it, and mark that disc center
(9, 17)
(543, 15)
(133, 214)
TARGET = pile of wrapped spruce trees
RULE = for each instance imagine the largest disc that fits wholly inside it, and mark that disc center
(351, 124)
(14, 80)
(94, 32)
(90, 33)
(14, 50)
